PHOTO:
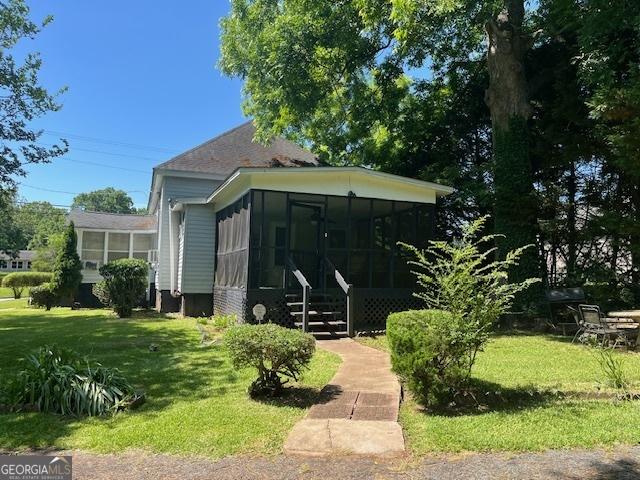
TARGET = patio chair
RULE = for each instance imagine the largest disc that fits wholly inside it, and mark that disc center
(593, 322)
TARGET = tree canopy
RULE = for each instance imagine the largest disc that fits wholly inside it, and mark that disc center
(109, 200)
(529, 109)
(22, 97)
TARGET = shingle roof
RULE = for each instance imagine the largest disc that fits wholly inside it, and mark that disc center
(236, 148)
(22, 255)
(112, 221)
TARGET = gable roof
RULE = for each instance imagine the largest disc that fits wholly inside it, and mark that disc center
(234, 149)
(112, 221)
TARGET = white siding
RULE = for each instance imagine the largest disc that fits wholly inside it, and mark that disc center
(172, 188)
(199, 249)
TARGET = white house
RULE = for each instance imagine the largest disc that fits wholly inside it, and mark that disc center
(239, 225)
(103, 237)
(20, 263)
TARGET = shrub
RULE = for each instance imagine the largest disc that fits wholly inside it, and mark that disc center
(18, 281)
(432, 352)
(58, 380)
(279, 354)
(462, 279)
(44, 296)
(67, 269)
(124, 285)
(224, 321)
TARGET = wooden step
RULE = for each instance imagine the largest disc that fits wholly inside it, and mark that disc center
(332, 323)
(329, 335)
(317, 313)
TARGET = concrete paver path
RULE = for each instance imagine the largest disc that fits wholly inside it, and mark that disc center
(358, 409)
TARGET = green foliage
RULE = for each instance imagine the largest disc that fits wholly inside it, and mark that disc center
(23, 98)
(39, 221)
(107, 200)
(278, 353)
(67, 269)
(433, 352)
(58, 380)
(45, 256)
(11, 237)
(18, 281)
(461, 277)
(124, 285)
(44, 296)
(467, 291)
(224, 321)
(612, 367)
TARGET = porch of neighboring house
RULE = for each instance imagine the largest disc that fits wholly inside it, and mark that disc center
(104, 237)
(327, 263)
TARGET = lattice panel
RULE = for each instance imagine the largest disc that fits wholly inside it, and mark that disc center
(375, 310)
(276, 303)
(230, 301)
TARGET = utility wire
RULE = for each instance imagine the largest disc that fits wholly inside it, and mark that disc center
(110, 142)
(101, 152)
(71, 193)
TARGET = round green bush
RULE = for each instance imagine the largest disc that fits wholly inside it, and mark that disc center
(432, 352)
(18, 281)
(278, 353)
(124, 285)
(44, 296)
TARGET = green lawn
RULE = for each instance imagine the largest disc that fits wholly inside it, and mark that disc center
(196, 401)
(6, 292)
(515, 365)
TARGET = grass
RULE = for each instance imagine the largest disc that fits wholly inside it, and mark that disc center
(517, 366)
(6, 292)
(196, 401)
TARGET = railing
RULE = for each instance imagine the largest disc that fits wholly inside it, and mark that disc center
(347, 288)
(306, 292)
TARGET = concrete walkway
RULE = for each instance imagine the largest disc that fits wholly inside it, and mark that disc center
(358, 409)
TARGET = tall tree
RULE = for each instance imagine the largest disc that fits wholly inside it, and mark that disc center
(67, 270)
(336, 73)
(22, 98)
(39, 221)
(107, 200)
(11, 236)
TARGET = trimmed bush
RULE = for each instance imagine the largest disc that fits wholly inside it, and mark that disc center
(432, 352)
(124, 285)
(18, 281)
(44, 296)
(58, 380)
(279, 354)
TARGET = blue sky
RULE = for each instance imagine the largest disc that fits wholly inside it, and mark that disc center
(139, 72)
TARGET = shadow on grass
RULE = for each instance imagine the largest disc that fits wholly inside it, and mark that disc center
(618, 469)
(181, 370)
(484, 397)
(302, 397)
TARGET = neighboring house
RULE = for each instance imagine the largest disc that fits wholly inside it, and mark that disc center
(21, 263)
(242, 224)
(103, 237)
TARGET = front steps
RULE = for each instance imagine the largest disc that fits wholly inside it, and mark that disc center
(327, 316)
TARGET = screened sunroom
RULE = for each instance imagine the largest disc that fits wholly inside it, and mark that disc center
(319, 249)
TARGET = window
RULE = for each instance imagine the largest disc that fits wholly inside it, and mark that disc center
(14, 265)
(29, 265)
(20, 265)
(3, 264)
(92, 249)
(118, 246)
(142, 243)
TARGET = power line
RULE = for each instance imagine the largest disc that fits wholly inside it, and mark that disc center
(113, 154)
(72, 193)
(104, 165)
(110, 142)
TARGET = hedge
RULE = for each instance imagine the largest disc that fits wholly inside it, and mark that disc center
(18, 281)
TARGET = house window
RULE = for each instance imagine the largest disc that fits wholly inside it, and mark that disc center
(92, 248)
(28, 265)
(3, 264)
(118, 246)
(20, 265)
(14, 265)
(142, 243)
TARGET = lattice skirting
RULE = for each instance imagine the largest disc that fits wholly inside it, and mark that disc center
(228, 301)
(373, 306)
(276, 303)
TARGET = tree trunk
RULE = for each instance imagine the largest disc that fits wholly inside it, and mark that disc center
(515, 210)
(572, 240)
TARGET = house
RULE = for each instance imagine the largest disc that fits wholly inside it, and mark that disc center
(20, 263)
(269, 234)
(103, 237)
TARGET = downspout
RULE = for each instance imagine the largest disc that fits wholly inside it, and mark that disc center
(172, 253)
